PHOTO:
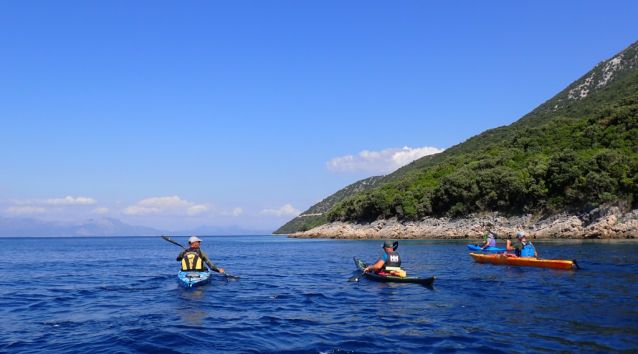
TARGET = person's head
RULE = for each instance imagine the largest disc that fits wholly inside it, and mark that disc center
(194, 242)
(521, 236)
(388, 246)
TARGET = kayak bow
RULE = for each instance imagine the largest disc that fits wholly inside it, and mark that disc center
(391, 278)
(522, 261)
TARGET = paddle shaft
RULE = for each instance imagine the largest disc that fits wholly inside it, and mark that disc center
(357, 278)
(171, 241)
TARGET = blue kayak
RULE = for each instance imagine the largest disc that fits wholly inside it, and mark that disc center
(489, 249)
(191, 279)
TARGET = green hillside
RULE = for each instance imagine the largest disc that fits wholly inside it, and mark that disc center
(566, 163)
(309, 218)
(606, 83)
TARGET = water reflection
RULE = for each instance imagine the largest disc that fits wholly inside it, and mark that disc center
(191, 305)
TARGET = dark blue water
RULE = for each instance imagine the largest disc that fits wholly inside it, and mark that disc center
(107, 295)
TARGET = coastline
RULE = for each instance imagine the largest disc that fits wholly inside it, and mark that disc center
(599, 223)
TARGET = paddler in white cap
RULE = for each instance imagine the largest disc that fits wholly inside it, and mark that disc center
(193, 258)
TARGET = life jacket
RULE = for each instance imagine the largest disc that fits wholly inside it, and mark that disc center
(193, 260)
(527, 251)
(392, 262)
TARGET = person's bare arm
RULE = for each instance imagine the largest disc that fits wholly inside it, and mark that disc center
(375, 266)
(509, 246)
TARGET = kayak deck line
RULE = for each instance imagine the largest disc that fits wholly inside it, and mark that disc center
(487, 249)
(392, 278)
(523, 261)
(191, 279)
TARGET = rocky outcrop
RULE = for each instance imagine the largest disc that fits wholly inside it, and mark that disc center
(601, 222)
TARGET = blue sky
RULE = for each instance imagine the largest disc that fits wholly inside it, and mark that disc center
(181, 114)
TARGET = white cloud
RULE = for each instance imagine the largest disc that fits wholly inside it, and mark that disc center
(165, 202)
(166, 205)
(138, 210)
(56, 201)
(236, 212)
(197, 209)
(70, 201)
(100, 210)
(385, 161)
(285, 210)
(25, 210)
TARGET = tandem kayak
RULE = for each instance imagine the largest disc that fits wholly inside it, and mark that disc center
(391, 278)
(191, 279)
(523, 261)
(488, 249)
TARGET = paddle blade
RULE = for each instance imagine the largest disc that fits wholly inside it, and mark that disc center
(356, 278)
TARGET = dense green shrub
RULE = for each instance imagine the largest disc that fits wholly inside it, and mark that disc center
(562, 164)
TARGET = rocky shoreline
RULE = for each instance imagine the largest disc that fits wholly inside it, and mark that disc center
(602, 222)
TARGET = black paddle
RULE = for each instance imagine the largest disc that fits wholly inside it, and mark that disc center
(171, 241)
(356, 278)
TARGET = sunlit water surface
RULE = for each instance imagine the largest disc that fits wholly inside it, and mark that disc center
(106, 295)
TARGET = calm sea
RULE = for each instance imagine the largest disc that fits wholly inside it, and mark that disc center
(121, 295)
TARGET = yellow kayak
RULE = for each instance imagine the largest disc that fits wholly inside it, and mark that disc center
(523, 261)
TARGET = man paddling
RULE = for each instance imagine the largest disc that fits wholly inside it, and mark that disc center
(388, 262)
(521, 246)
(193, 257)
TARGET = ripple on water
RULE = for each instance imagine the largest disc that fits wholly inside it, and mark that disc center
(289, 303)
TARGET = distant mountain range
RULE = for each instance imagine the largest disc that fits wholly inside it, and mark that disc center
(607, 83)
(29, 227)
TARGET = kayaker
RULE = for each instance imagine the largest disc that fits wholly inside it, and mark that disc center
(193, 257)
(388, 262)
(522, 247)
(489, 240)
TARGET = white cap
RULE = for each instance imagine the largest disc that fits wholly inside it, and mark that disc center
(193, 239)
(520, 234)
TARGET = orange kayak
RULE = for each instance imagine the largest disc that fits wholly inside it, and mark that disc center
(523, 261)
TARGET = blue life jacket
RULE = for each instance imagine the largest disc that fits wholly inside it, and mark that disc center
(528, 250)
